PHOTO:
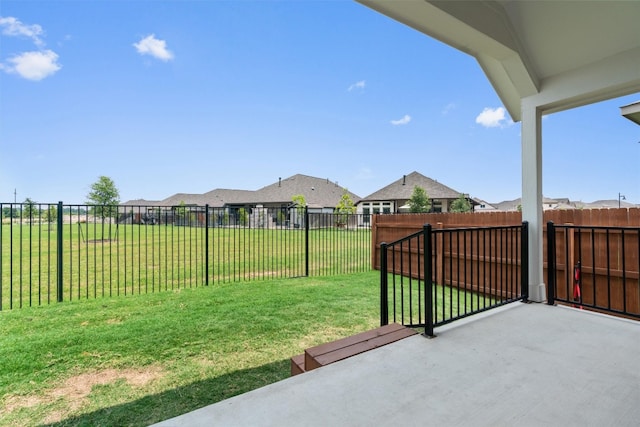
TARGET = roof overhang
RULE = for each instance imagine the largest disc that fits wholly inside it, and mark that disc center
(559, 54)
(632, 112)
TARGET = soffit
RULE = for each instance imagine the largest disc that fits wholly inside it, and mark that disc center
(560, 36)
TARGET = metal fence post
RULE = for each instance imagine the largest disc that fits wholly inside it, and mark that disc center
(59, 254)
(551, 263)
(384, 285)
(428, 282)
(524, 261)
(306, 241)
(206, 245)
(1, 223)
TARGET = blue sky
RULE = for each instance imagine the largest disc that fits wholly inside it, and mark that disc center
(187, 96)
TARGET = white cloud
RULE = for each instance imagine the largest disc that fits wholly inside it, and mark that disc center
(357, 85)
(34, 65)
(403, 121)
(450, 106)
(493, 117)
(13, 27)
(157, 48)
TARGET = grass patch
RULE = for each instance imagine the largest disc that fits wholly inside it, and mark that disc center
(144, 358)
(129, 259)
(406, 298)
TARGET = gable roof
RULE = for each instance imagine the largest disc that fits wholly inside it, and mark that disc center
(547, 203)
(318, 192)
(186, 198)
(611, 203)
(483, 204)
(220, 197)
(402, 189)
(141, 202)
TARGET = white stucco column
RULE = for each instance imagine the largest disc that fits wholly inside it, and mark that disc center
(532, 195)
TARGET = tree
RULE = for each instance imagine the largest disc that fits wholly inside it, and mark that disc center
(30, 209)
(104, 198)
(243, 216)
(419, 201)
(344, 208)
(300, 203)
(461, 204)
(51, 214)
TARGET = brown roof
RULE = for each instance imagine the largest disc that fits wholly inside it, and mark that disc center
(318, 192)
(141, 202)
(402, 189)
(220, 197)
(186, 198)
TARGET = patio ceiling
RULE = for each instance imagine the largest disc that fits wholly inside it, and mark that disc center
(568, 53)
(541, 57)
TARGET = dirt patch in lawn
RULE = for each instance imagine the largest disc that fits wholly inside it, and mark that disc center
(75, 390)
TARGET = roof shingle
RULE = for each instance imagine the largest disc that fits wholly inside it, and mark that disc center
(402, 189)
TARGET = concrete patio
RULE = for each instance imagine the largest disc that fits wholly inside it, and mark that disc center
(520, 365)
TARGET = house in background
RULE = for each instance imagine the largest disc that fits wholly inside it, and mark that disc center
(605, 204)
(516, 204)
(321, 195)
(394, 197)
(480, 205)
(565, 203)
(271, 204)
(275, 201)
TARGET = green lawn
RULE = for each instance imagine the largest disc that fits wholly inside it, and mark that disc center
(139, 359)
(132, 259)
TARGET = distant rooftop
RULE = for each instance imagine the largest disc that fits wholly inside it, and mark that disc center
(402, 189)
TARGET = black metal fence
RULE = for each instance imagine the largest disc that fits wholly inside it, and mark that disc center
(436, 276)
(594, 267)
(58, 252)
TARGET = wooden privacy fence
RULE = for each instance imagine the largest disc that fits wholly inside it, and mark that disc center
(594, 267)
(435, 276)
(605, 263)
(478, 259)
